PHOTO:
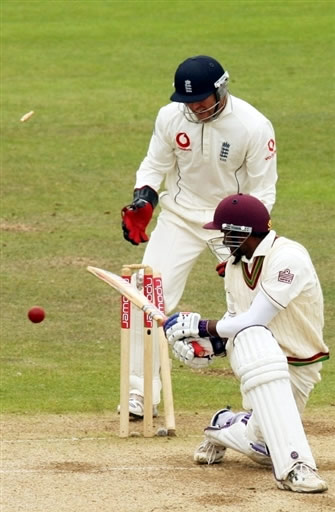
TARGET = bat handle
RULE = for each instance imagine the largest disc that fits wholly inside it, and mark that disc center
(198, 349)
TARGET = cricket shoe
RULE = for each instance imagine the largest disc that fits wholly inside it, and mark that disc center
(228, 430)
(208, 453)
(302, 478)
(136, 407)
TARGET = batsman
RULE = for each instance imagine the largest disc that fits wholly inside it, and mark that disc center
(273, 331)
(206, 144)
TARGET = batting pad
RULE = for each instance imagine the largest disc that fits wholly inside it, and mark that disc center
(259, 363)
(136, 380)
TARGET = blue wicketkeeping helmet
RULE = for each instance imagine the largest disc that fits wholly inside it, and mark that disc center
(197, 78)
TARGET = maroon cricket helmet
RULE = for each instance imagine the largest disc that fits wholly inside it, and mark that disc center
(241, 210)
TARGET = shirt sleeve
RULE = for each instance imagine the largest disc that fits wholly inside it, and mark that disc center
(160, 158)
(261, 164)
(261, 312)
(288, 273)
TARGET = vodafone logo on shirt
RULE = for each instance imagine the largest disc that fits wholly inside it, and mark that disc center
(271, 145)
(272, 149)
(183, 141)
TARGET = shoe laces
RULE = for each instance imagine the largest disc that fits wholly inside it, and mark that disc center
(209, 449)
(301, 471)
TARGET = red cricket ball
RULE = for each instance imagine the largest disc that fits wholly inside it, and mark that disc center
(36, 314)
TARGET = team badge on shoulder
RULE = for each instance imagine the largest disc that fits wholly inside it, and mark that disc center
(285, 276)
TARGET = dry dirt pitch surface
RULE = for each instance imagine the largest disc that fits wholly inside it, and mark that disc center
(77, 463)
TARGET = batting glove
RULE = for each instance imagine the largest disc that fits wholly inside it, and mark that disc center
(181, 325)
(137, 215)
(183, 351)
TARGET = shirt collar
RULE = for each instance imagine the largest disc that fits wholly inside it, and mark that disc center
(227, 110)
(263, 248)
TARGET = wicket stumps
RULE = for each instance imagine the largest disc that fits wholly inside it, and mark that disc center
(152, 288)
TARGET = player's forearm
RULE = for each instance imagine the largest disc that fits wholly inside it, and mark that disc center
(261, 165)
(146, 176)
(266, 191)
(261, 312)
(160, 160)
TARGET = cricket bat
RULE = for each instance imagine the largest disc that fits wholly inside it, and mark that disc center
(138, 298)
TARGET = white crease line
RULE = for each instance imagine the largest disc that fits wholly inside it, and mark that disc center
(55, 440)
(66, 439)
(104, 470)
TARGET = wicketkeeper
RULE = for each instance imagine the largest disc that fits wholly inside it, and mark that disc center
(273, 337)
(206, 144)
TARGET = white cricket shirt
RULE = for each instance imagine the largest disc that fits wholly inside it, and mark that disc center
(203, 163)
(283, 271)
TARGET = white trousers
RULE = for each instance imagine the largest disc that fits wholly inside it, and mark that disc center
(173, 248)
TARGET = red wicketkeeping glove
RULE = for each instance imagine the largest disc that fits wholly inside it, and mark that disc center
(221, 268)
(134, 222)
(137, 215)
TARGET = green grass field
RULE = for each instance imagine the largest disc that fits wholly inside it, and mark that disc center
(95, 73)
